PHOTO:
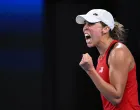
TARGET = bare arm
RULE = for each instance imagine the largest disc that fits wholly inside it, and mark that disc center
(118, 71)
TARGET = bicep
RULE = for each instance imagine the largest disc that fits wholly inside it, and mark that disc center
(118, 71)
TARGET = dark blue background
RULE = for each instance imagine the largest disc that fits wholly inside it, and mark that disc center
(21, 54)
(21, 19)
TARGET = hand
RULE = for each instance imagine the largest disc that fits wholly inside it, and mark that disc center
(87, 63)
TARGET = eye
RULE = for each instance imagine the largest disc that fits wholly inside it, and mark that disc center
(88, 23)
(91, 24)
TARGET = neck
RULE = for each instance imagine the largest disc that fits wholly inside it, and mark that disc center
(103, 45)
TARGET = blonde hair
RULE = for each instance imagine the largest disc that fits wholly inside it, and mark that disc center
(118, 33)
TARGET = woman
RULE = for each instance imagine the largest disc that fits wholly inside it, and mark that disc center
(115, 74)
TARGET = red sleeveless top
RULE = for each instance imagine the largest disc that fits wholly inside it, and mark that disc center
(130, 96)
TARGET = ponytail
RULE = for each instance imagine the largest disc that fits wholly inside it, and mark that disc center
(118, 33)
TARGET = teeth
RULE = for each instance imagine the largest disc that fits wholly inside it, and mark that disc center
(86, 35)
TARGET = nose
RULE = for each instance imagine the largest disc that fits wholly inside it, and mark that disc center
(85, 27)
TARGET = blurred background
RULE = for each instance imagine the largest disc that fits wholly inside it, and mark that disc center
(72, 88)
(21, 54)
(41, 47)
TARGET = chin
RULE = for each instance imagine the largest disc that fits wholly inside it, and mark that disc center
(90, 46)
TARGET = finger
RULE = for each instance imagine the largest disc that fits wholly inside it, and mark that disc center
(86, 56)
(81, 63)
(83, 57)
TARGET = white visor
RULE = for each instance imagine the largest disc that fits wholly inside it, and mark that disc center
(80, 19)
(97, 15)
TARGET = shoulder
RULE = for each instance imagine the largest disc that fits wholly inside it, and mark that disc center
(120, 50)
(120, 54)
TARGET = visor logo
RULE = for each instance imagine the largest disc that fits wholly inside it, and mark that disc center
(95, 14)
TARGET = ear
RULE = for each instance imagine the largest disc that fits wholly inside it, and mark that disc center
(106, 29)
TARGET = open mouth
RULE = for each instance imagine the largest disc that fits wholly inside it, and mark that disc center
(88, 38)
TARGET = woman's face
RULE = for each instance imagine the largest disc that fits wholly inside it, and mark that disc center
(93, 33)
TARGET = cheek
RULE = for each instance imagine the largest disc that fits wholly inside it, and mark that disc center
(96, 33)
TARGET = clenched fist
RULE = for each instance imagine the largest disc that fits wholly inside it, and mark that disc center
(86, 63)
